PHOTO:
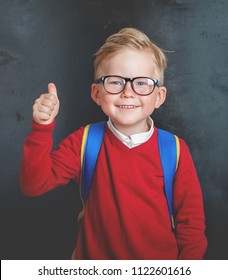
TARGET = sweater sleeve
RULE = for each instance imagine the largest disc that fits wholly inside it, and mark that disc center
(41, 168)
(189, 209)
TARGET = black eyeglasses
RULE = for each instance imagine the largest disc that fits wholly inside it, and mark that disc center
(140, 85)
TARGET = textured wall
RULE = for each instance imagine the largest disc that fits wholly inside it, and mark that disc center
(54, 40)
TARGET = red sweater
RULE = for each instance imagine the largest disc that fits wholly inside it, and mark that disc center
(126, 214)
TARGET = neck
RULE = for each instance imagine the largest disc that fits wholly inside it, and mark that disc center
(134, 129)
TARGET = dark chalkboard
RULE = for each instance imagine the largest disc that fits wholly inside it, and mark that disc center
(54, 41)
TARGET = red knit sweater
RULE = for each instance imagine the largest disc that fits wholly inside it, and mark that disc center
(126, 214)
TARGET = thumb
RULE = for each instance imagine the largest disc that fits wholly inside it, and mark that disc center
(52, 89)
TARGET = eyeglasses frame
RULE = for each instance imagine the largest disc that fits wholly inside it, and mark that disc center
(131, 80)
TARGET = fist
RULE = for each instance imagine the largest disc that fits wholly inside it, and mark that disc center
(46, 107)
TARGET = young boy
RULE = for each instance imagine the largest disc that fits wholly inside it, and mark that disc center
(126, 214)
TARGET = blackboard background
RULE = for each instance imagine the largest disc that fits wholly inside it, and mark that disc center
(54, 40)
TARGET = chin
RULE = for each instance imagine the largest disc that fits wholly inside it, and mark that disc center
(127, 123)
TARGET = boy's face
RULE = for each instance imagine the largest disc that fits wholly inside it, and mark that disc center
(127, 110)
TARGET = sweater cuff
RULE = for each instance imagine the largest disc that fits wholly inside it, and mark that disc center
(42, 131)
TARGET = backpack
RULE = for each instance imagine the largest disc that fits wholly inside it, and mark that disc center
(169, 148)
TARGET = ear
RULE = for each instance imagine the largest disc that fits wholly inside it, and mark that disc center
(161, 96)
(95, 93)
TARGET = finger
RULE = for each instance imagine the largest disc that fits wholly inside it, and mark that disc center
(52, 89)
(44, 117)
(49, 102)
(40, 117)
(44, 109)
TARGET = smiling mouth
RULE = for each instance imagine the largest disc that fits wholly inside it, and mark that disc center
(127, 106)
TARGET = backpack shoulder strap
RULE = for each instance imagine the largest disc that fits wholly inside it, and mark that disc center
(91, 142)
(169, 148)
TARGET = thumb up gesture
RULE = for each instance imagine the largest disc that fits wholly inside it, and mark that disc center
(46, 107)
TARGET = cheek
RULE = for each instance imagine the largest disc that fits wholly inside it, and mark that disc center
(108, 99)
(149, 101)
(106, 102)
(149, 105)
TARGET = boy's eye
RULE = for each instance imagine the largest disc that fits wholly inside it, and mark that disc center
(141, 83)
(114, 82)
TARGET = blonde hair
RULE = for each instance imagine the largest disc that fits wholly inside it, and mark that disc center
(133, 39)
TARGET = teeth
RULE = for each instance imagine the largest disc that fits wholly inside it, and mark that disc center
(127, 106)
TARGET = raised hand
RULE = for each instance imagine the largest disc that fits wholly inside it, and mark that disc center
(46, 107)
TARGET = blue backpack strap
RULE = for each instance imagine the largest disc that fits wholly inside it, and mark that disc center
(169, 153)
(91, 143)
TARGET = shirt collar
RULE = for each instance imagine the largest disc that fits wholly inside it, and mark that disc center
(134, 139)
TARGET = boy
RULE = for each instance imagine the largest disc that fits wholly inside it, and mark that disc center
(126, 214)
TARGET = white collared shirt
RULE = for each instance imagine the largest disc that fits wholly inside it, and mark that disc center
(134, 139)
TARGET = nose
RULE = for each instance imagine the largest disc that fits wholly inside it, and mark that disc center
(128, 91)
